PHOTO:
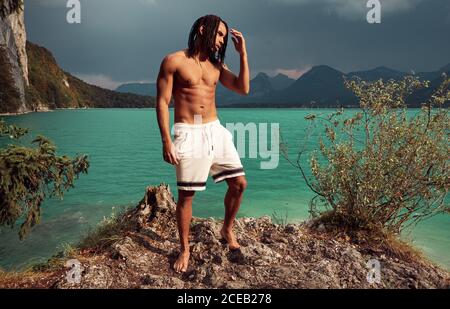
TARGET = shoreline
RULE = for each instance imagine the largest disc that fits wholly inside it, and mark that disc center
(171, 108)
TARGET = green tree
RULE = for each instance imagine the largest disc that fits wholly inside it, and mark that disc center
(379, 169)
(30, 175)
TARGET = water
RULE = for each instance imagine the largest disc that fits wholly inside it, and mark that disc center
(124, 150)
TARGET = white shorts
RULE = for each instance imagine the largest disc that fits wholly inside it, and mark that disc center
(204, 149)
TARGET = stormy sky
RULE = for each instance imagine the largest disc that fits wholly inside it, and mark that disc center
(122, 41)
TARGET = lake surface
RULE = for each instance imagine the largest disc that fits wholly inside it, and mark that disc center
(124, 150)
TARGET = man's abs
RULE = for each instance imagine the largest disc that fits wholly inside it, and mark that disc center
(191, 102)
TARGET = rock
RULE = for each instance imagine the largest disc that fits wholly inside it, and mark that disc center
(235, 285)
(212, 278)
(271, 256)
(132, 253)
(156, 211)
(13, 39)
(198, 274)
(238, 257)
(328, 269)
(290, 229)
(309, 223)
(245, 274)
(257, 254)
(165, 282)
(206, 232)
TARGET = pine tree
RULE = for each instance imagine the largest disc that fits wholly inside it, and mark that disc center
(29, 175)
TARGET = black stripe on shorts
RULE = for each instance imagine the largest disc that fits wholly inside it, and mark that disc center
(190, 184)
(229, 172)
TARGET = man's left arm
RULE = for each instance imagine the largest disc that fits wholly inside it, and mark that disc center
(241, 83)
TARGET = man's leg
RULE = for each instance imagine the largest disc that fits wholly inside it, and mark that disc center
(184, 216)
(232, 201)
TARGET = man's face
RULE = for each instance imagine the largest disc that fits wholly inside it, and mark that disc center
(220, 36)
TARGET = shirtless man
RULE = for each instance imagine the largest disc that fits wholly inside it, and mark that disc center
(201, 144)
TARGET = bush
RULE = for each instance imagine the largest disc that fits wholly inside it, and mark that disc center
(380, 170)
(29, 175)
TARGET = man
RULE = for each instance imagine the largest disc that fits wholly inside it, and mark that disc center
(201, 144)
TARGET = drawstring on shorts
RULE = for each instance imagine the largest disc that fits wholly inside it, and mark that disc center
(208, 138)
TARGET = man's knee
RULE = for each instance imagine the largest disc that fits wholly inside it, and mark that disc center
(238, 184)
(185, 196)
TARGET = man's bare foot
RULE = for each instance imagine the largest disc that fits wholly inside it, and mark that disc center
(230, 238)
(181, 264)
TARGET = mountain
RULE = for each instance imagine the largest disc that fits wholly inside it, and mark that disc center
(445, 69)
(281, 81)
(148, 89)
(51, 87)
(321, 86)
(434, 74)
(261, 86)
(387, 73)
(377, 73)
(435, 78)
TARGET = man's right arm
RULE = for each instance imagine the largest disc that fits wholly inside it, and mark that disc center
(164, 86)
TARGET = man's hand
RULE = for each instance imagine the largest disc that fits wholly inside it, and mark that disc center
(169, 153)
(239, 41)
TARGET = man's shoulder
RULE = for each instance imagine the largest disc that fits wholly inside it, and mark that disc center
(174, 57)
(172, 61)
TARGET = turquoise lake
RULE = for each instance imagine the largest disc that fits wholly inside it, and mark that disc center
(124, 151)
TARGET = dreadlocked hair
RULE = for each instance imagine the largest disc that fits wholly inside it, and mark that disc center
(206, 43)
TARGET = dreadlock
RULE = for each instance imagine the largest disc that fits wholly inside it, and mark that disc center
(207, 42)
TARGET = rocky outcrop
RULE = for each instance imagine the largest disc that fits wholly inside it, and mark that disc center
(13, 40)
(271, 256)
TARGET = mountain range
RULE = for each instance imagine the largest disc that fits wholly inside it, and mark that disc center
(321, 86)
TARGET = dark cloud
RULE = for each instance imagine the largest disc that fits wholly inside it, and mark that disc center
(126, 40)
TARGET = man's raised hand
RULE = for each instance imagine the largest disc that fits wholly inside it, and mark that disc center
(239, 41)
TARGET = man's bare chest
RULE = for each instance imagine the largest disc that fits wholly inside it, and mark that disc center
(193, 74)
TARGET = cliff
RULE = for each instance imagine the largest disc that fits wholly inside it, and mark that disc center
(13, 56)
(138, 248)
